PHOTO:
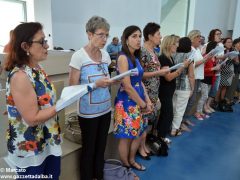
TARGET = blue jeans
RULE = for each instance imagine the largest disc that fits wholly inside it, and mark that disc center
(50, 167)
(192, 100)
(214, 87)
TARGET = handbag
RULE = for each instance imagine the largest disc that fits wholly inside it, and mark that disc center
(73, 131)
(114, 170)
(157, 145)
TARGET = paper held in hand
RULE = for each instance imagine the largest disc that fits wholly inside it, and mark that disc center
(229, 56)
(131, 72)
(70, 95)
(232, 54)
(177, 66)
(217, 50)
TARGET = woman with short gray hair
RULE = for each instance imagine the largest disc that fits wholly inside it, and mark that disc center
(95, 23)
(90, 65)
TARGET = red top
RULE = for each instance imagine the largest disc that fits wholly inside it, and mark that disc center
(207, 69)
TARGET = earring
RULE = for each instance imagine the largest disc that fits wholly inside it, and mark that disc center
(28, 53)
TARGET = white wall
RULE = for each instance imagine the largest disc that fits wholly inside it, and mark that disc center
(236, 26)
(174, 15)
(43, 14)
(208, 15)
(69, 19)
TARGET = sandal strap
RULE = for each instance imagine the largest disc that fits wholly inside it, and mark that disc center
(136, 166)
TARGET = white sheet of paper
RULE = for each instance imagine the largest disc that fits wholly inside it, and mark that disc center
(232, 54)
(216, 50)
(177, 66)
(70, 95)
(131, 72)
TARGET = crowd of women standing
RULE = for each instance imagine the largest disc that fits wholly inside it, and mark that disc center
(34, 135)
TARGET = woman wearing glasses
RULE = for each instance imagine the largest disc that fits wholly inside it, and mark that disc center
(131, 101)
(33, 137)
(90, 65)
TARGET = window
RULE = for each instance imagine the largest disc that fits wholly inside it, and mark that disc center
(12, 12)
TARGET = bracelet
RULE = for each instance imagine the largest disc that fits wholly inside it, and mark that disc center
(177, 73)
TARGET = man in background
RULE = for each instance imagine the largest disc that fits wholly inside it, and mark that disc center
(113, 49)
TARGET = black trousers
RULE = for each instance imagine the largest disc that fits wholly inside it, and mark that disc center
(166, 112)
(94, 139)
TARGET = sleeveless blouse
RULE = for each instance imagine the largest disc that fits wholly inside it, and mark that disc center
(30, 145)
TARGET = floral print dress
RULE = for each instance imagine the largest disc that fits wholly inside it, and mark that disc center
(150, 63)
(24, 141)
(128, 118)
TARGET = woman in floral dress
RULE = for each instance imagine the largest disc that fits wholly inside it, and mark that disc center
(131, 101)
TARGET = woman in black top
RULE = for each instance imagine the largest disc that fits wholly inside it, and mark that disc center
(167, 85)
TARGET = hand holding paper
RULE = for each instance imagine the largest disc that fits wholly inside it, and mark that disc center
(131, 72)
(177, 66)
(216, 51)
(72, 94)
(232, 54)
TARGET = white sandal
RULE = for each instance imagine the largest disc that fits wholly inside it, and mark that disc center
(167, 140)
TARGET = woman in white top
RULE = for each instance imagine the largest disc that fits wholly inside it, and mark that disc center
(195, 36)
(90, 65)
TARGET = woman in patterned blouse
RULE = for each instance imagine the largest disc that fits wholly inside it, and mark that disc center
(151, 76)
(33, 137)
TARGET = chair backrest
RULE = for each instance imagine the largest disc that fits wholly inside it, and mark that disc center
(3, 123)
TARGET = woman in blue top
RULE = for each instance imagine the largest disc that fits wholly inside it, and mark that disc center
(131, 101)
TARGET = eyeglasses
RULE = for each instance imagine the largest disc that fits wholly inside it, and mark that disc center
(43, 42)
(102, 35)
(101, 68)
(218, 34)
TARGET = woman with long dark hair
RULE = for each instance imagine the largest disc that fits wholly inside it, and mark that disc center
(131, 101)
